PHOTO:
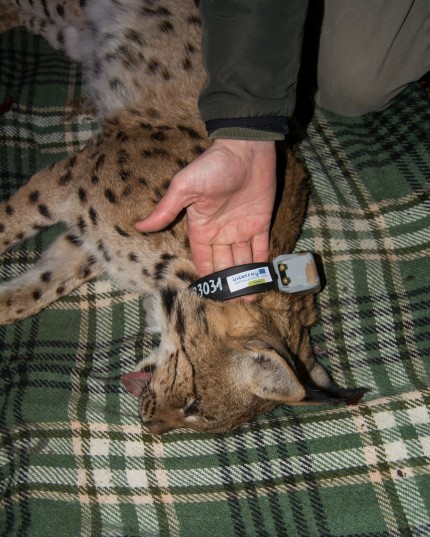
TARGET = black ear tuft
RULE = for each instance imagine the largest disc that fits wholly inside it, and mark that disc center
(335, 395)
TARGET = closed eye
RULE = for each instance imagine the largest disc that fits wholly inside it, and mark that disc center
(192, 408)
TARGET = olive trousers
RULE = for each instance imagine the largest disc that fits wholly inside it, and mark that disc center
(369, 51)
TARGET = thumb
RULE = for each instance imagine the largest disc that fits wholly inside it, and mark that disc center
(164, 213)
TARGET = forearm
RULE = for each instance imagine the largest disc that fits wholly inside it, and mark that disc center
(251, 51)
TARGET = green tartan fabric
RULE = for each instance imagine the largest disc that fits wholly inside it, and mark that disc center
(74, 457)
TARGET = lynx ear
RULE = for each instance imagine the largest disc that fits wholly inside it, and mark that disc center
(271, 378)
(135, 382)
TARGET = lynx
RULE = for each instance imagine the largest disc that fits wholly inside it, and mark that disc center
(219, 363)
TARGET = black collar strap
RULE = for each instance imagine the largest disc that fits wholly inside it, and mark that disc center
(292, 273)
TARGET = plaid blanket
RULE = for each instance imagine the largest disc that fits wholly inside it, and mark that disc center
(74, 457)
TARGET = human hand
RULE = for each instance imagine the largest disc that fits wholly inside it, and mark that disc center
(229, 194)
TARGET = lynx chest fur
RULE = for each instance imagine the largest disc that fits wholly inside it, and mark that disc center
(219, 364)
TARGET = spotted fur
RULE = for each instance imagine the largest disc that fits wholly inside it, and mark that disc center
(218, 364)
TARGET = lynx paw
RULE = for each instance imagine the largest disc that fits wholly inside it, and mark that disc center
(17, 304)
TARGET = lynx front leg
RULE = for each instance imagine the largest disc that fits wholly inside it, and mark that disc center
(62, 268)
(42, 202)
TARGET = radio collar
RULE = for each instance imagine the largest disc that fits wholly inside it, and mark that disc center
(289, 273)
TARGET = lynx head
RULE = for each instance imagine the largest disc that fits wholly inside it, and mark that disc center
(220, 364)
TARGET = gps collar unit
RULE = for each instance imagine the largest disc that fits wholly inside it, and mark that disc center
(291, 273)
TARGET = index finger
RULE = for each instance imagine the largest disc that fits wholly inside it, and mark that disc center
(202, 257)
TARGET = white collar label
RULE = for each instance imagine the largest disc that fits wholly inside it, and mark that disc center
(248, 278)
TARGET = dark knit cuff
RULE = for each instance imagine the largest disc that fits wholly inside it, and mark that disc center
(240, 133)
(272, 124)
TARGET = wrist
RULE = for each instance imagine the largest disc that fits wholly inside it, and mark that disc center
(244, 145)
(258, 156)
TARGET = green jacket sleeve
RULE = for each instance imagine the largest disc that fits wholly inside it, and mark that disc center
(251, 52)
